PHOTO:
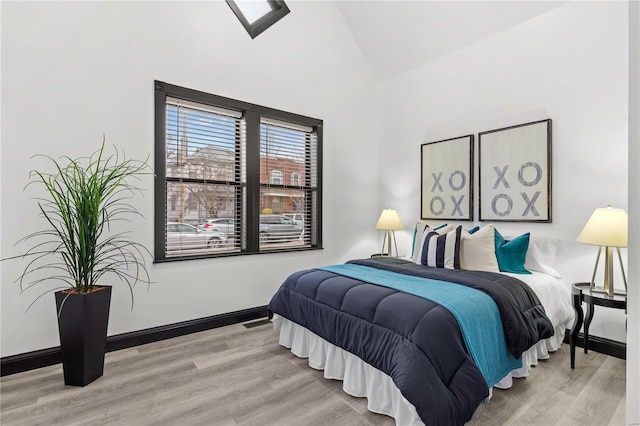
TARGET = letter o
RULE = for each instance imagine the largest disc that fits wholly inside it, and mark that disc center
(432, 208)
(538, 170)
(494, 205)
(463, 181)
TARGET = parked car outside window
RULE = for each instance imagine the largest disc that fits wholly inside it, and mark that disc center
(223, 225)
(182, 236)
(296, 217)
(275, 228)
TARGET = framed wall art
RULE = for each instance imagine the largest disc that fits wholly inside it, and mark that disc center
(515, 173)
(447, 179)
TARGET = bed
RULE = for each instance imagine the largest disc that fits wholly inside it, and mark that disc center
(424, 344)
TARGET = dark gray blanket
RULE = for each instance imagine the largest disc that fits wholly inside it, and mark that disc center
(415, 341)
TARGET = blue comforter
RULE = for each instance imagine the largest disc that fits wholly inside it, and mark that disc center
(476, 313)
(415, 341)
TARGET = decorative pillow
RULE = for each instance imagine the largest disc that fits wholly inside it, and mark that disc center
(474, 229)
(440, 250)
(478, 250)
(541, 255)
(417, 237)
(512, 254)
(417, 233)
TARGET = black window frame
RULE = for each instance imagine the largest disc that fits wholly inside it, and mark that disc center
(252, 114)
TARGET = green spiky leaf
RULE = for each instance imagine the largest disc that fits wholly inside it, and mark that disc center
(84, 197)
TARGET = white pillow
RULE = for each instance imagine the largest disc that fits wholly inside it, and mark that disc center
(478, 250)
(541, 255)
(417, 236)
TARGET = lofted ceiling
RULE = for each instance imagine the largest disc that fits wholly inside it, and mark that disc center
(397, 36)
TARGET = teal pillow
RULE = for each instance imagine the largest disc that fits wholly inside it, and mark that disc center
(473, 230)
(413, 242)
(512, 254)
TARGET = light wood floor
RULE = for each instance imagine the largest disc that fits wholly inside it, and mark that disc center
(237, 375)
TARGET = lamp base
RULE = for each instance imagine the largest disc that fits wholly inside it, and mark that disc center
(608, 287)
(596, 289)
(389, 237)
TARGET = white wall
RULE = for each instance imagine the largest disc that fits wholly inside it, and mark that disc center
(72, 71)
(633, 297)
(570, 65)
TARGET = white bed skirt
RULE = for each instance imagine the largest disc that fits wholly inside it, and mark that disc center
(537, 352)
(362, 380)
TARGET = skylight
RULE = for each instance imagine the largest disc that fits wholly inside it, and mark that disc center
(258, 15)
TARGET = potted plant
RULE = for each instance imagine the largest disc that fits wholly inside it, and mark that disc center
(85, 197)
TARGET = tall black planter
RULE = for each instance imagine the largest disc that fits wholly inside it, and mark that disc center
(83, 334)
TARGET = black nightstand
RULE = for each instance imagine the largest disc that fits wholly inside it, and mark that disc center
(582, 293)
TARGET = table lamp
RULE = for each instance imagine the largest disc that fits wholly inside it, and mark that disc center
(607, 227)
(390, 222)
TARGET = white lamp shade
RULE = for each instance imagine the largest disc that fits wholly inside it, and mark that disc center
(389, 220)
(606, 227)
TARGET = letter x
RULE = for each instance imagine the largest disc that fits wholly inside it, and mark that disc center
(501, 177)
(530, 203)
(456, 205)
(436, 182)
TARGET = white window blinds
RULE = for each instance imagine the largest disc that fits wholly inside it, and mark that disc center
(203, 178)
(287, 178)
(234, 178)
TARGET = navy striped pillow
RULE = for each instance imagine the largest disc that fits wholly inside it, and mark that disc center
(441, 251)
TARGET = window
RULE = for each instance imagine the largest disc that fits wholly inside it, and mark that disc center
(276, 177)
(295, 179)
(220, 177)
(258, 15)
